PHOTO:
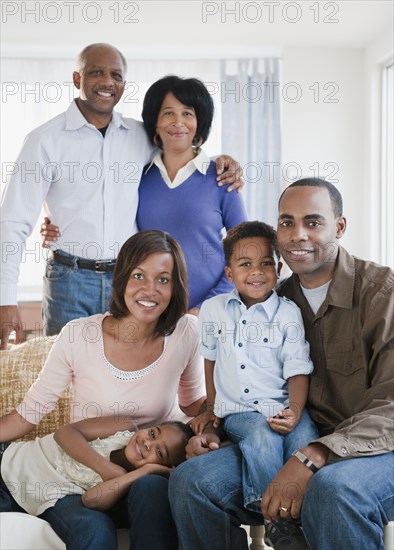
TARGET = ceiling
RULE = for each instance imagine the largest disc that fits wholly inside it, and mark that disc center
(142, 27)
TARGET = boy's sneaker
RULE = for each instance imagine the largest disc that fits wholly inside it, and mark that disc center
(284, 535)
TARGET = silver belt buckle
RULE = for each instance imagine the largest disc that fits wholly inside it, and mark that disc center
(99, 266)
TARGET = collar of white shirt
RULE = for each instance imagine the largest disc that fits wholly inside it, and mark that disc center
(270, 305)
(75, 119)
(200, 163)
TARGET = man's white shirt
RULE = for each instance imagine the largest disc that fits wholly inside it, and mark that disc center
(87, 183)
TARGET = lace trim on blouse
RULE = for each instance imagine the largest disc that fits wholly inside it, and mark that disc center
(82, 475)
(135, 374)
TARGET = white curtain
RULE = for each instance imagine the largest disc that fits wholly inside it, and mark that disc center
(250, 95)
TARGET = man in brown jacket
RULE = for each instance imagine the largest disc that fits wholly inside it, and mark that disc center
(342, 485)
(347, 308)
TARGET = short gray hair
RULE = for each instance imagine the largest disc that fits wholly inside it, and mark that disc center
(81, 59)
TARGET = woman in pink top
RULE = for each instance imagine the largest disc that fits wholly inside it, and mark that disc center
(140, 359)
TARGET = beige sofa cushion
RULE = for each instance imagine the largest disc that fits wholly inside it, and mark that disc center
(19, 368)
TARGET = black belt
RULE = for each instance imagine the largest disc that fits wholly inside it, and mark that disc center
(100, 266)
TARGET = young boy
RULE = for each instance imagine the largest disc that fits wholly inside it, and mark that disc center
(256, 361)
(97, 458)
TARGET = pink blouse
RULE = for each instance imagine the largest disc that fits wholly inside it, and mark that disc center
(150, 395)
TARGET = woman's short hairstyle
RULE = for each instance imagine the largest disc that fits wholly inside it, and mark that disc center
(190, 92)
(134, 251)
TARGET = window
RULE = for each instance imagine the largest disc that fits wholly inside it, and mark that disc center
(387, 198)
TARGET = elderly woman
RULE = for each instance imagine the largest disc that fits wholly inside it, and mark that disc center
(178, 192)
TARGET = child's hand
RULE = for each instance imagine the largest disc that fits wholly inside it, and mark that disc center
(202, 444)
(284, 421)
(199, 422)
(217, 421)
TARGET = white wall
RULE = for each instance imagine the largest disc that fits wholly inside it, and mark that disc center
(376, 54)
(325, 129)
(343, 134)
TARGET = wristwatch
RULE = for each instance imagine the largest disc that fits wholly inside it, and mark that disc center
(305, 460)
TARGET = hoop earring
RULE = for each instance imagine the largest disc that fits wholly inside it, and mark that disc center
(157, 141)
(196, 143)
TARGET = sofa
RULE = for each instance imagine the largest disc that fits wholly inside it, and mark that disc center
(19, 367)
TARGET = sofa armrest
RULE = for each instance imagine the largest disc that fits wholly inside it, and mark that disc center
(19, 368)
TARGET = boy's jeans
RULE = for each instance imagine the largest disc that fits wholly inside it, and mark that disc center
(264, 451)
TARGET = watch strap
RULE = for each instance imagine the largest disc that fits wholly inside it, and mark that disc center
(305, 460)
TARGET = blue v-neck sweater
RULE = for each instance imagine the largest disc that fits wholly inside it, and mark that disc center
(194, 213)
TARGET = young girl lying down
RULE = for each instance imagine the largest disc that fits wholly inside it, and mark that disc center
(98, 458)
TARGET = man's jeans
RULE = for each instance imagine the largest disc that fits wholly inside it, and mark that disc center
(346, 505)
(264, 451)
(70, 293)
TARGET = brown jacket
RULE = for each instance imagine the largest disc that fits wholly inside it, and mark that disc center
(351, 338)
